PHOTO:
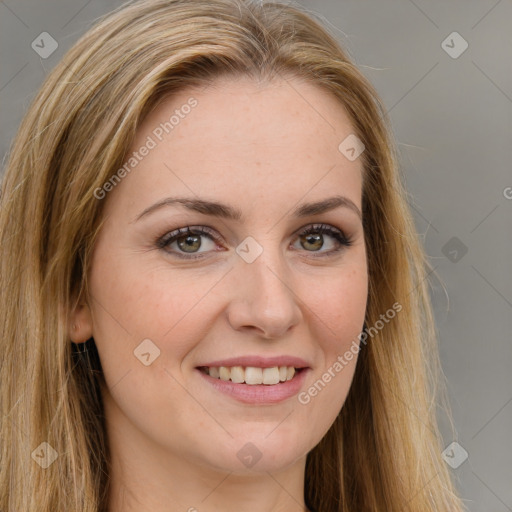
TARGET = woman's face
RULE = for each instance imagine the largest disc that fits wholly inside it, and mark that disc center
(251, 291)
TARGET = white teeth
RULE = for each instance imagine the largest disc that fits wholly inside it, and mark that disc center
(224, 373)
(252, 375)
(270, 375)
(237, 374)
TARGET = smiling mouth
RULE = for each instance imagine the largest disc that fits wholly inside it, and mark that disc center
(252, 375)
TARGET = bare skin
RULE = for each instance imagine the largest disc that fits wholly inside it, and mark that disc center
(176, 440)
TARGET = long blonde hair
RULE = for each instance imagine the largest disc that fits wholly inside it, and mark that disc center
(383, 452)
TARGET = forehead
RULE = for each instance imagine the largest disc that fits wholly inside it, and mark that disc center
(243, 141)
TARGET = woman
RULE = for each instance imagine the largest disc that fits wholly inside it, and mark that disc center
(213, 297)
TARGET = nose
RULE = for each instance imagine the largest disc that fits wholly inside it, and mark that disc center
(263, 298)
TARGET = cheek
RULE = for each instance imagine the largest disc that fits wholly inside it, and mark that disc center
(132, 303)
(340, 306)
(339, 309)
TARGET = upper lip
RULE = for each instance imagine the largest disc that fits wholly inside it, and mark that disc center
(259, 362)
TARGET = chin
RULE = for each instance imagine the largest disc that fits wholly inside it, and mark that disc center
(245, 455)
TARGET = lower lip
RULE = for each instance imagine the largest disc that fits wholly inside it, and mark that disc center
(258, 393)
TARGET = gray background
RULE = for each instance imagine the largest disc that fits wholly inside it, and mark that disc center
(452, 118)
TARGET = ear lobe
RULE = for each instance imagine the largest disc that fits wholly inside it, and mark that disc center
(80, 324)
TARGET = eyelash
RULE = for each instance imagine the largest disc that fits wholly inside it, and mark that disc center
(170, 237)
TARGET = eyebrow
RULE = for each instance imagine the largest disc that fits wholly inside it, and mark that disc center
(225, 211)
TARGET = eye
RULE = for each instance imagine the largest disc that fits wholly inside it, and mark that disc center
(187, 241)
(313, 239)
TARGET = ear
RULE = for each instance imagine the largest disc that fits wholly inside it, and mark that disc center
(80, 324)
